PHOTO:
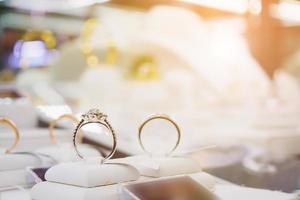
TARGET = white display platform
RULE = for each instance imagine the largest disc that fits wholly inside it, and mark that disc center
(226, 190)
(58, 191)
(90, 175)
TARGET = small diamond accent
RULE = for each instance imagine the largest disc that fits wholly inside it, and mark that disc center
(94, 114)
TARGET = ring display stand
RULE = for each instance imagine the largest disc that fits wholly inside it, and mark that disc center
(157, 166)
(91, 178)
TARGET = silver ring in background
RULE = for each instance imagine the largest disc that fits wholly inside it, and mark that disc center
(95, 116)
(161, 117)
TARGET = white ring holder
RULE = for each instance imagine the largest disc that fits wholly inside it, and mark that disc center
(159, 166)
(89, 176)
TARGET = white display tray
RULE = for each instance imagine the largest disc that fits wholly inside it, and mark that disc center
(222, 189)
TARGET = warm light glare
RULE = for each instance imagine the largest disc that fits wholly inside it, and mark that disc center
(80, 3)
(92, 60)
(255, 6)
(288, 11)
(237, 6)
(30, 54)
(33, 49)
(50, 5)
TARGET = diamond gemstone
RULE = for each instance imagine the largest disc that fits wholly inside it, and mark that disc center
(94, 114)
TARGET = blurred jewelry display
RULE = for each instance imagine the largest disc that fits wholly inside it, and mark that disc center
(95, 116)
(42, 41)
(159, 117)
(87, 49)
(144, 67)
(45, 35)
(12, 125)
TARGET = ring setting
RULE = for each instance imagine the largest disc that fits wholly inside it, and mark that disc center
(94, 115)
(98, 117)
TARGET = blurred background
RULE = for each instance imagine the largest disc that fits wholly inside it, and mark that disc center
(227, 70)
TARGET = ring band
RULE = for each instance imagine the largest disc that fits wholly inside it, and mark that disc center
(163, 117)
(12, 125)
(95, 116)
(54, 122)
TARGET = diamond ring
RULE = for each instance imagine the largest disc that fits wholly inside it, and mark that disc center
(95, 116)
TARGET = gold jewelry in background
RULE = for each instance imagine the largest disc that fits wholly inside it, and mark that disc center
(12, 125)
(54, 122)
(144, 67)
(95, 116)
(111, 53)
(162, 117)
(6, 75)
(44, 35)
(91, 58)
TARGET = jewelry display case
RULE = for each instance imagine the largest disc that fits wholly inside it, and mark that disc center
(218, 79)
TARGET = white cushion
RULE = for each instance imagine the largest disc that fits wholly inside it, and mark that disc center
(91, 174)
(161, 166)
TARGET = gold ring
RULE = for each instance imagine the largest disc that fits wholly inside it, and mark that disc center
(95, 116)
(13, 126)
(54, 122)
(164, 117)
